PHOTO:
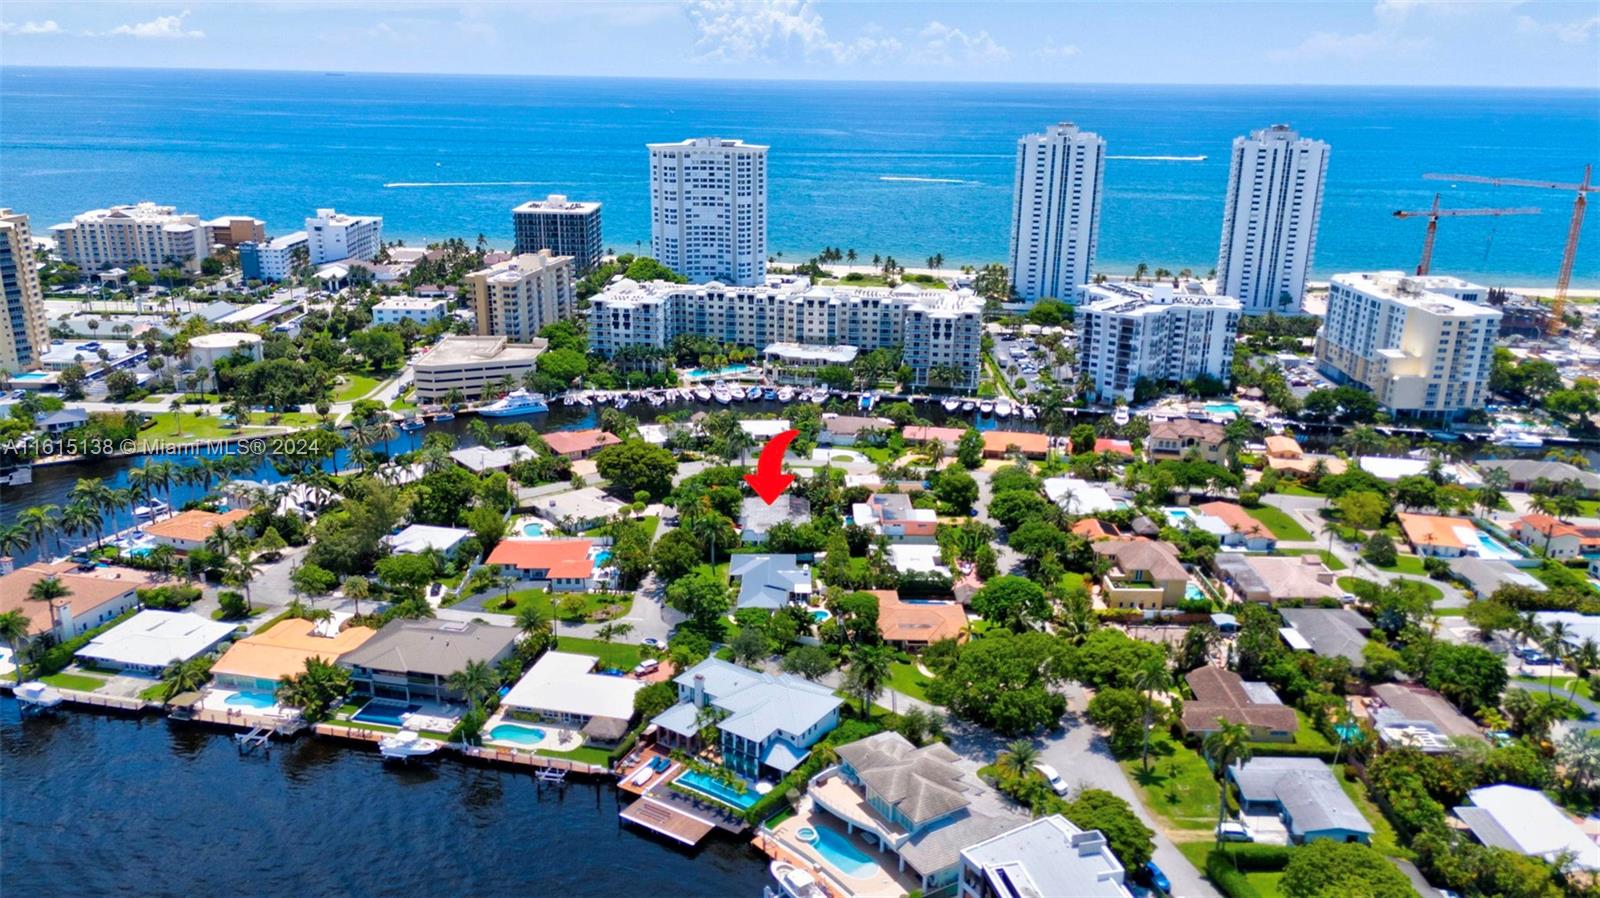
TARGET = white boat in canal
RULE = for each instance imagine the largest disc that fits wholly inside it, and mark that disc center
(1002, 408)
(785, 394)
(753, 394)
(1028, 414)
(1120, 416)
(407, 744)
(951, 405)
(722, 394)
(969, 406)
(516, 402)
(986, 407)
(701, 394)
(39, 696)
(819, 395)
(155, 508)
(795, 882)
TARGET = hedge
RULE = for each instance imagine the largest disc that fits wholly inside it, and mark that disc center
(56, 658)
(1295, 750)
(1226, 867)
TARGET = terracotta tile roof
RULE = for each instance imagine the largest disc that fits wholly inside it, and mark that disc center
(1549, 526)
(1119, 447)
(1236, 517)
(1433, 530)
(1221, 694)
(194, 525)
(88, 590)
(1093, 529)
(1283, 447)
(917, 433)
(998, 441)
(1187, 428)
(902, 622)
(283, 649)
(563, 559)
(569, 442)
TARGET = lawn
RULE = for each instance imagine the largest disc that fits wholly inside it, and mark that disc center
(651, 524)
(591, 604)
(1434, 593)
(1383, 835)
(907, 680)
(618, 655)
(1179, 786)
(75, 682)
(720, 570)
(584, 755)
(1278, 521)
(286, 419)
(1407, 564)
(185, 426)
(1290, 488)
(355, 386)
(1561, 684)
(1328, 558)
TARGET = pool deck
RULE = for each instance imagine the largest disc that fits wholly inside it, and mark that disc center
(783, 843)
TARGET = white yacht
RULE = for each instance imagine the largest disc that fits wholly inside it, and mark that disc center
(37, 695)
(702, 394)
(721, 393)
(517, 402)
(819, 395)
(795, 882)
(1002, 408)
(951, 405)
(969, 406)
(1120, 416)
(986, 407)
(785, 394)
(1028, 414)
(407, 744)
(156, 508)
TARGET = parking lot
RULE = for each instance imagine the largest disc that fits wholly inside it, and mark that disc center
(1023, 357)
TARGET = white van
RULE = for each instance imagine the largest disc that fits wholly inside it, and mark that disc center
(1057, 784)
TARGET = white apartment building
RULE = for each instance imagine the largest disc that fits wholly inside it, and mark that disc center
(472, 365)
(336, 236)
(1424, 346)
(708, 209)
(1163, 333)
(1055, 211)
(1269, 222)
(399, 308)
(142, 234)
(518, 297)
(275, 259)
(936, 330)
(565, 227)
(24, 338)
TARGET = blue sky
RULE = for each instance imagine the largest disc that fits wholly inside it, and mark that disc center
(1403, 42)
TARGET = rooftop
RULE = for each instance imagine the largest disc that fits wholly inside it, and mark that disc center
(800, 352)
(1306, 790)
(1139, 299)
(918, 622)
(1222, 694)
(1421, 704)
(1158, 557)
(459, 350)
(430, 647)
(569, 442)
(156, 639)
(480, 459)
(1525, 821)
(556, 202)
(756, 515)
(1207, 432)
(760, 705)
(421, 537)
(560, 559)
(564, 683)
(769, 581)
(1435, 530)
(1331, 632)
(1432, 294)
(89, 590)
(282, 649)
(1048, 857)
(194, 525)
(997, 442)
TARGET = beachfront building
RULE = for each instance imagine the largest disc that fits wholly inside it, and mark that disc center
(261, 661)
(937, 331)
(23, 334)
(476, 367)
(335, 236)
(1421, 348)
(189, 530)
(233, 230)
(766, 723)
(708, 209)
(141, 234)
(555, 565)
(1145, 574)
(150, 640)
(1055, 211)
(275, 259)
(563, 689)
(1048, 856)
(1269, 219)
(409, 660)
(93, 597)
(517, 297)
(1222, 696)
(422, 310)
(1156, 334)
(1299, 795)
(562, 226)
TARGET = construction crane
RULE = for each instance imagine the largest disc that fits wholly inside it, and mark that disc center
(1569, 255)
(1436, 213)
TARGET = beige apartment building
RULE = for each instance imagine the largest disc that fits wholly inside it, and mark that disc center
(142, 234)
(232, 230)
(473, 365)
(518, 297)
(23, 335)
(1423, 345)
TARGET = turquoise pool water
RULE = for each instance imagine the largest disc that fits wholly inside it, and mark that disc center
(837, 849)
(30, 375)
(707, 372)
(387, 713)
(702, 783)
(139, 551)
(533, 530)
(1222, 408)
(603, 556)
(257, 700)
(516, 732)
(820, 615)
(1193, 592)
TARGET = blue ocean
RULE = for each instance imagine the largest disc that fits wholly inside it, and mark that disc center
(909, 170)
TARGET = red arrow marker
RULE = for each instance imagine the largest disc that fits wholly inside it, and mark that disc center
(769, 481)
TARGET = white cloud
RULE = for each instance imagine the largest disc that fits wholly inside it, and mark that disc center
(944, 43)
(1052, 50)
(48, 26)
(1361, 45)
(1575, 32)
(744, 30)
(160, 28)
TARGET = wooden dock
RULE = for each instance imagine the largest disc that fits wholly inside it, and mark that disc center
(674, 823)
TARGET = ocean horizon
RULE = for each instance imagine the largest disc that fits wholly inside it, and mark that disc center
(907, 169)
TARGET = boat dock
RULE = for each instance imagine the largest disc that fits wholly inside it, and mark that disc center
(672, 822)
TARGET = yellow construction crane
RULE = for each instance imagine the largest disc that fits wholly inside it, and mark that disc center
(1585, 187)
(1436, 213)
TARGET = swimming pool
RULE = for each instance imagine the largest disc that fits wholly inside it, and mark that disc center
(1486, 545)
(820, 615)
(704, 784)
(31, 375)
(533, 530)
(516, 732)
(707, 372)
(1193, 593)
(602, 556)
(1179, 516)
(139, 551)
(1222, 408)
(837, 849)
(257, 700)
(387, 713)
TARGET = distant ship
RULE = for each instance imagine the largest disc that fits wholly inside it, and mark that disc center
(517, 402)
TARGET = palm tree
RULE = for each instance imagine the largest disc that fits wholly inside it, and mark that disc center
(475, 682)
(239, 572)
(1568, 506)
(48, 589)
(869, 670)
(14, 539)
(14, 628)
(1228, 745)
(184, 676)
(1018, 758)
(40, 520)
(532, 620)
(93, 492)
(1150, 679)
(355, 589)
(81, 518)
(709, 526)
(1554, 645)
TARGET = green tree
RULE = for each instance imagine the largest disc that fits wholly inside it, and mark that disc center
(1225, 747)
(702, 596)
(475, 682)
(634, 465)
(1014, 602)
(1004, 682)
(184, 676)
(1379, 551)
(406, 574)
(316, 690)
(1329, 869)
(956, 490)
(969, 449)
(810, 661)
(1362, 510)
(868, 671)
(14, 630)
(1131, 841)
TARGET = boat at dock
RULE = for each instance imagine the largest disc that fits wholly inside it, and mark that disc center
(701, 394)
(407, 744)
(986, 407)
(951, 405)
(721, 394)
(38, 696)
(754, 393)
(785, 394)
(1028, 414)
(445, 416)
(1120, 416)
(1002, 408)
(819, 395)
(795, 882)
(154, 509)
(623, 402)
(969, 406)
(412, 424)
(517, 402)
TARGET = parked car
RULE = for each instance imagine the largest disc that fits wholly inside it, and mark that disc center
(1053, 777)
(652, 642)
(646, 667)
(1157, 879)
(1233, 832)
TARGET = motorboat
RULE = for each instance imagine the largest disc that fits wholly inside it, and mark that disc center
(969, 406)
(819, 395)
(155, 508)
(1028, 414)
(1120, 416)
(702, 394)
(785, 394)
(622, 402)
(721, 394)
(1444, 436)
(654, 399)
(517, 402)
(1519, 440)
(413, 424)
(569, 400)
(39, 696)
(585, 401)
(867, 401)
(1002, 408)
(407, 744)
(951, 405)
(795, 882)
(754, 393)
(447, 415)
(986, 407)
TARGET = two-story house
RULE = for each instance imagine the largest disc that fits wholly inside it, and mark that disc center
(1175, 439)
(893, 515)
(1145, 574)
(765, 724)
(410, 660)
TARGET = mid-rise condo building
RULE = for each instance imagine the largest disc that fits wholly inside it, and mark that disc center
(23, 335)
(1269, 221)
(275, 259)
(335, 236)
(518, 297)
(1423, 345)
(1164, 333)
(1055, 211)
(232, 230)
(142, 234)
(708, 209)
(565, 227)
(474, 366)
(938, 331)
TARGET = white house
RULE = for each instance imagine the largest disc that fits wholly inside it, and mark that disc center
(150, 640)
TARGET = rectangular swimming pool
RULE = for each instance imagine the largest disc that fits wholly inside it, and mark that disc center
(386, 713)
(705, 785)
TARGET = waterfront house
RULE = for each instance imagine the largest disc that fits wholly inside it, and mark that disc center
(94, 596)
(1145, 574)
(562, 688)
(770, 581)
(1005, 443)
(419, 538)
(1175, 439)
(62, 420)
(479, 459)
(409, 660)
(261, 661)
(892, 515)
(1417, 717)
(150, 640)
(1048, 856)
(766, 723)
(1299, 795)
(847, 430)
(911, 626)
(917, 434)
(576, 444)
(756, 517)
(1329, 632)
(919, 806)
(1526, 822)
(1222, 696)
(189, 530)
(1557, 538)
(1524, 473)
(557, 565)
